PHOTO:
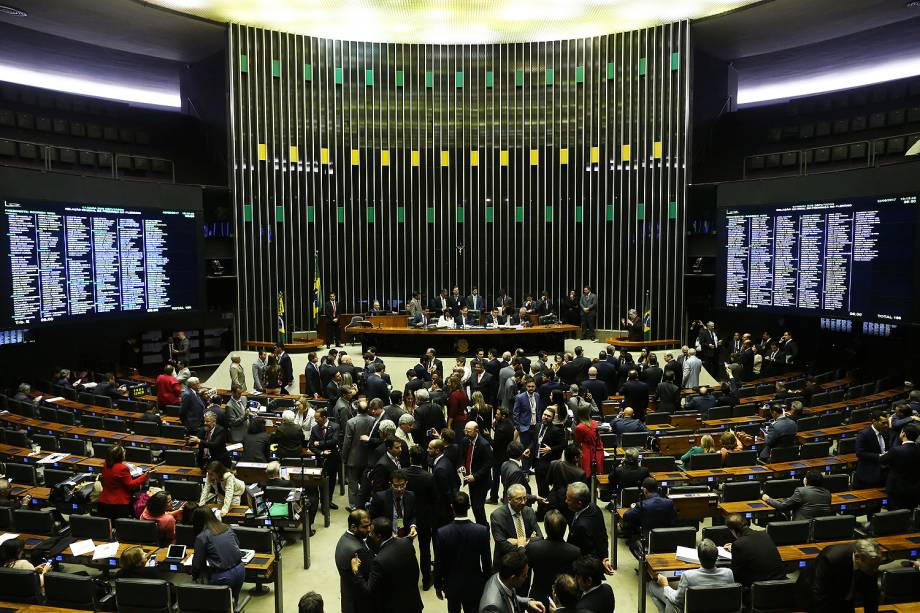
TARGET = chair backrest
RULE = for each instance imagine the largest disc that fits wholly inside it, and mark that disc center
(702, 461)
(142, 596)
(633, 439)
(833, 528)
(661, 463)
(718, 535)
(763, 389)
(90, 527)
(145, 428)
(831, 420)
(278, 494)
(183, 490)
(789, 532)
(820, 449)
(809, 423)
(846, 445)
(86, 398)
(101, 450)
(688, 489)
(173, 410)
(713, 598)
(115, 425)
(179, 457)
(185, 535)
(836, 483)
(773, 596)
(66, 417)
(740, 491)
(780, 488)
(196, 598)
(137, 531)
(890, 522)
(24, 474)
(20, 585)
(138, 454)
(722, 412)
(257, 539)
(47, 413)
(75, 446)
(900, 585)
(34, 522)
(784, 454)
(91, 421)
(17, 438)
(741, 458)
(45, 441)
(629, 495)
(860, 415)
(666, 540)
(656, 419)
(744, 410)
(54, 476)
(70, 591)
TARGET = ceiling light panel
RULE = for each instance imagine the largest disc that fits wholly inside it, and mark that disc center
(452, 21)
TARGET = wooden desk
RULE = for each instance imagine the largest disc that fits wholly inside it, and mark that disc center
(102, 436)
(812, 436)
(92, 409)
(19, 607)
(737, 473)
(623, 342)
(802, 466)
(731, 422)
(414, 341)
(856, 402)
(841, 500)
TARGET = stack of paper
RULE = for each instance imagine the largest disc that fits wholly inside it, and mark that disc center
(105, 551)
(54, 457)
(81, 548)
(55, 399)
(234, 446)
(688, 554)
(7, 537)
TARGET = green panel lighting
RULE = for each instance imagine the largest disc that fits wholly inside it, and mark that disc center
(307, 72)
(339, 75)
(279, 212)
(340, 214)
(458, 79)
(579, 214)
(429, 214)
(490, 214)
(643, 66)
(579, 74)
(247, 212)
(519, 214)
(609, 212)
(675, 60)
(369, 77)
(429, 78)
(519, 78)
(461, 214)
(370, 214)
(244, 62)
(276, 68)
(672, 210)
(640, 211)
(400, 78)
(490, 78)
(549, 76)
(548, 214)
(400, 214)
(611, 71)
(311, 214)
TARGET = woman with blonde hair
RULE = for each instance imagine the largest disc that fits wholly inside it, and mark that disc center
(480, 412)
(304, 416)
(707, 445)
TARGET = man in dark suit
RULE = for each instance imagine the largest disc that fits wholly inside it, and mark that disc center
(476, 455)
(397, 504)
(903, 484)
(500, 594)
(596, 594)
(780, 433)
(606, 371)
(432, 364)
(421, 483)
(375, 385)
(627, 474)
(587, 530)
(625, 422)
(211, 441)
(701, 402)
(312, 374)
(481, 381)
(635, 394)
(464, 319)
(351, 545)
(393, 577)
(475, 302)
(381, 473)
(546, 448)
(512, 470)
(422, 319)
(673, 366)
(582, 363)
(324, 443)
(595, 386)
(562, 473)
(527, 412)
(840, 576)
(550, 384)
(332, 311)
(514, 524)
(652, 373)
(550, 556)
(651, 512)
(502, 434)
(462, 560)
(871, 443)
(446, 483)
(754, 555)
(495, 318)
(429, 419)
(635, 328)
(806, 502)
(287, 368)
(708, 341)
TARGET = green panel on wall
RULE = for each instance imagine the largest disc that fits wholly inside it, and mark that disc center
(490, 214)
(247, 212)
(429, 78)
(609, 212)
(279, 212)
(400, 78)
(519, 78)
(611, 71)
(369, 77)
(400, 214)
(311, 214)
(276, 68)
(643, 66)
(339, 75)
(490, 78)
(548, 214)
(675, 60)
(672, 210)
(579, 214)
(519, 214)
(640, 211)
(340, 214)
(579, 74)
(370, 214)
(307, 72)
(461, 214)
(458, 79)
(549, 76)
(244, 62)
(429, 214)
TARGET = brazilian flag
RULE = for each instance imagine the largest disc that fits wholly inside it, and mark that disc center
(317, 291)
(282, 333)
(647, 318)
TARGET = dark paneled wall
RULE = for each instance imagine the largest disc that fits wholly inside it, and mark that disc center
(522, 166)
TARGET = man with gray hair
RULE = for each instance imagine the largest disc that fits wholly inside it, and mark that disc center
(237, 374)
(587, 530)
(429, 418)
(635, 328)
(692, 368)
(211, 440)
(514, 524)
(404, 432)
(191, 411)
(574, 400)
(355, 452)
(669, 600)
(841, 576)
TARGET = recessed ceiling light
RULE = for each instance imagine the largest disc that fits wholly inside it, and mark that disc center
(12, 11)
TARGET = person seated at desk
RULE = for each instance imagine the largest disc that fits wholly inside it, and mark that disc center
(159, 509)
(669, 600)
(221, 488)
(446, 320)
(132, 564)
(521, 319)
(375, 309)
(495, 318)
(701, 402)
(781, 433)
(288, 436)
(707, 445)
(627, 474)
(109, 387)
(273, 478)
(652, 511)
(218, 559)
(626, 422)
(12, 554)
(423, 319)
(806, 502)
(754, 554)
(464, 319)
(117, 486)
(729, 443)
(256, 443)
(9, 501)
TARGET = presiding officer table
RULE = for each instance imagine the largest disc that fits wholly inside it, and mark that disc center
(402, 340)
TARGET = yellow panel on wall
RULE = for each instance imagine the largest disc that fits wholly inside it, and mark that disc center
(416, 158)
(534, 157)
(445, 158)
(384, 157)
(624, 153)
(295, 154)
(503, 157)
(564, 156)
(355, 157)
(595, 155)
(263, 151)
(474, 157)
(323, 156)
(656, 150)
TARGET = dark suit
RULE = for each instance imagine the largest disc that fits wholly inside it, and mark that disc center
(393, 580)
(903, 483)
(354, 599)
(480, 468)
(475, 303)
(289, 437)
(569, 373)
(314, 380)
(582, 364)
(781, 434)
(428, 416)
(653, 512)
(503, 529)
(446, 484)
(626, 475)
(588, 532)
(382, 472)
(869, 471)
(545, 307)
(755, 558)
(597, 388)
(287, 369)
(831, 582)
(513, 473)
(216, 447)
(462, 564)
(805, 503)
(598, 600)
(484, 383)
(560, 476)
(652, 376)
(635, 395)
(502, 434)
(607, 372)
(327, 439)
(635, 329)
(333, 331)
(622, 425)
(700, 403)
(383, 505)
(547, 559)
(551, 436)
(376, 388)
(421, 483)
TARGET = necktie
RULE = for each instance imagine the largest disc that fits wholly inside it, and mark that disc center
(519, 526)
(881, 442)
(333, 308)
(540, 439)
(469, 459)
(399, 510)
(533, 410)
(207, 452)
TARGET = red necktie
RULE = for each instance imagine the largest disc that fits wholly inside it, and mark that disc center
(469, 459)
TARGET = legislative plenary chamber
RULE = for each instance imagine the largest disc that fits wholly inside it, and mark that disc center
(391, 306)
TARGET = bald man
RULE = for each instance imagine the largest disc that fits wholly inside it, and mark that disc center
(596, 386)
(626, 422)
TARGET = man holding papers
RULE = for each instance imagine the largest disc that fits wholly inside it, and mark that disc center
(669, 600)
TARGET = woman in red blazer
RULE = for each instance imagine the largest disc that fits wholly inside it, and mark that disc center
(117, 486)
(168, 389)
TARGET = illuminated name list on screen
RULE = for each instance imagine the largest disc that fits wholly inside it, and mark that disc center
(70, 260)
(847, 257)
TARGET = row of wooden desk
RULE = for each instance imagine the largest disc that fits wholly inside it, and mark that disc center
(92, 409)
(93, 434)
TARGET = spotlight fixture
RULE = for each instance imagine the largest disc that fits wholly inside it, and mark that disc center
(12, 11)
